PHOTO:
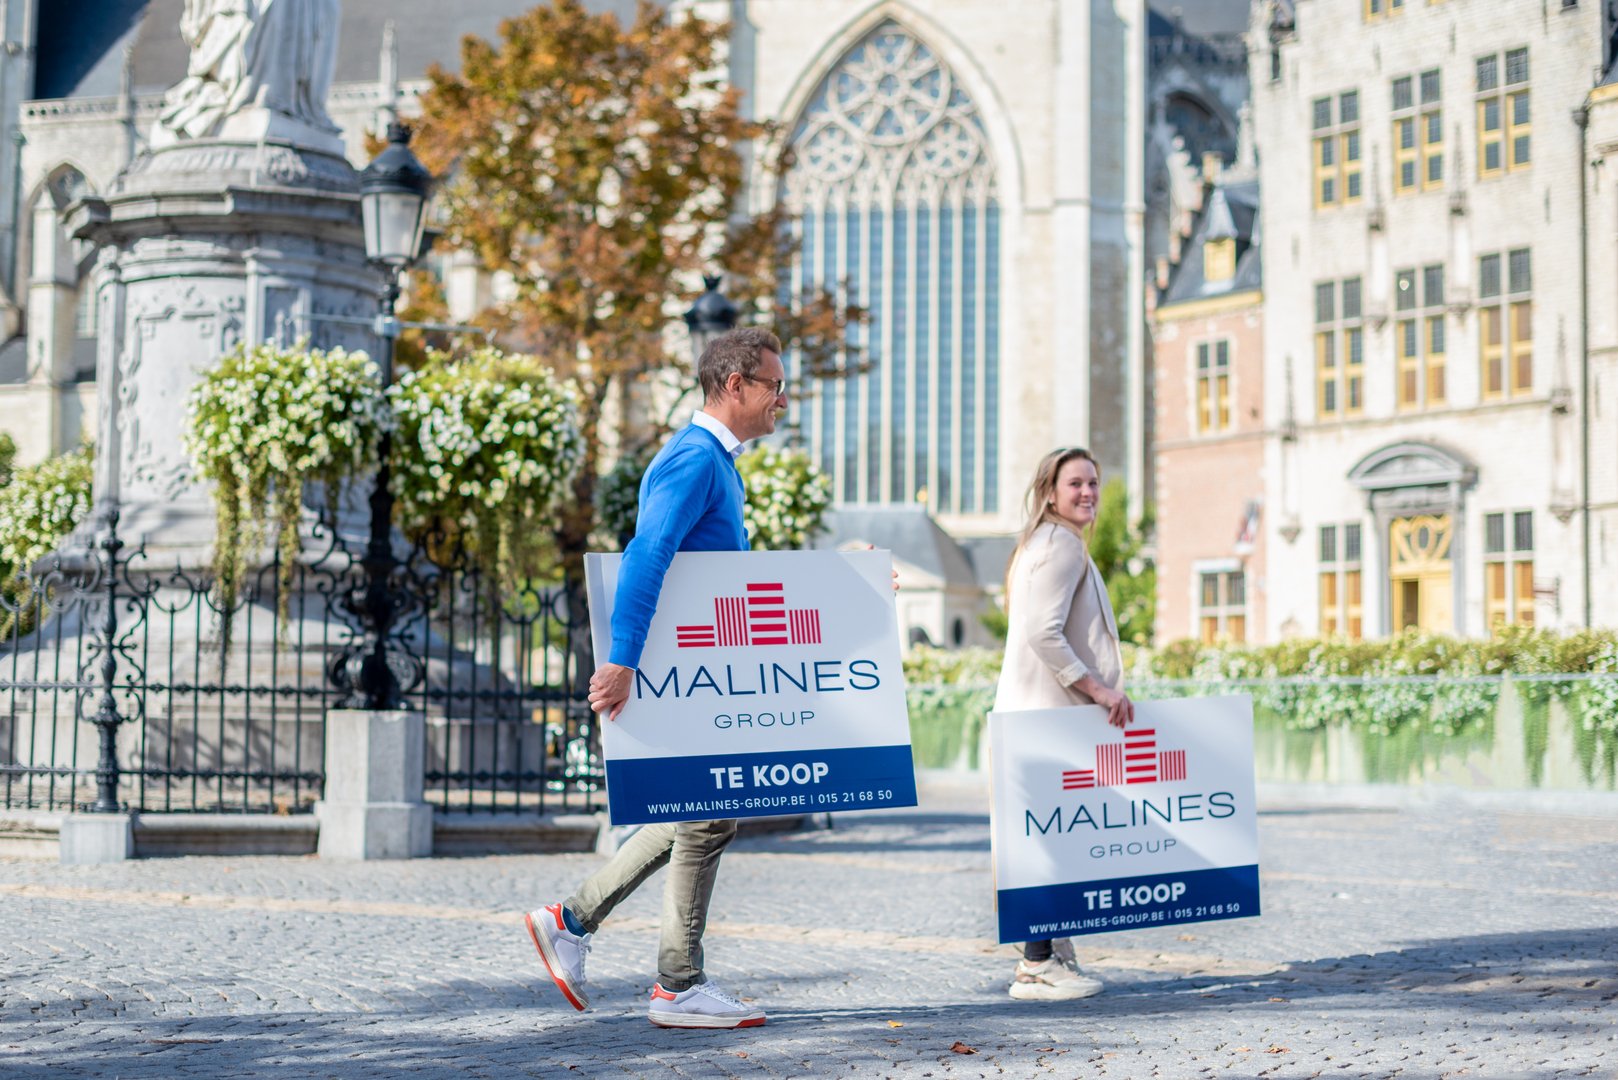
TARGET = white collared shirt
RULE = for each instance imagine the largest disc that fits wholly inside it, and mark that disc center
(727, 439)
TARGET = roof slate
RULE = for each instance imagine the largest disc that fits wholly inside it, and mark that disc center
(1232, 212)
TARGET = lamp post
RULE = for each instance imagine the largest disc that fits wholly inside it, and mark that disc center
(393, 207)
(710, 316)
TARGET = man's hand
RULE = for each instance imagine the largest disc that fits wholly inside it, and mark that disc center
(609, 689)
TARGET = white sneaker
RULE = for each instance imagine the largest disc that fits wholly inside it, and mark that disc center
(702, 1006)
(562, 951)
(1052, 980)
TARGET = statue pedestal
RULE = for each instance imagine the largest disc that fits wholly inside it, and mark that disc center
(204, 245)
(260, 125)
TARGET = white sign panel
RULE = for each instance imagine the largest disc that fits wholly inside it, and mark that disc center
(1098, 829)
(770, 684)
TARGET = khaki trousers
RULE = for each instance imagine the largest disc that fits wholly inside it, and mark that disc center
(691, 849)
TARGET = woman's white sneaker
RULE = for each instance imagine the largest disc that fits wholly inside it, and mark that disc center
(1052, 980)
(702, 1006)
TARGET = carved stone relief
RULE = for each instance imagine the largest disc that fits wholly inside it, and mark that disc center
(283, 321)
(182, 334)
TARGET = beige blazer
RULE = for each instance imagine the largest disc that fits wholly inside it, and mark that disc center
(1061, 627)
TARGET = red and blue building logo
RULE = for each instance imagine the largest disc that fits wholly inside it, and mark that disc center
(759, 616)
(1136, 760)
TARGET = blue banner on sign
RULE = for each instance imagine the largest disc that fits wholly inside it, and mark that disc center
(1097, 907)
(644, 790)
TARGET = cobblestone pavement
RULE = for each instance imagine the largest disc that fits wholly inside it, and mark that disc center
(1440, 941)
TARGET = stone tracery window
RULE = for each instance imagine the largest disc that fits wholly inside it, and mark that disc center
(895, 191)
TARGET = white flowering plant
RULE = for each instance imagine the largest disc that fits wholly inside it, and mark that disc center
(39, 506)
(485, 446)
(787, 497)
(260, 424)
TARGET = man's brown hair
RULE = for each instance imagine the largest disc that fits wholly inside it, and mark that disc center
(737, 352)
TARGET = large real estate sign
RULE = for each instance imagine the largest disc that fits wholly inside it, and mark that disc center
(1098, 829)
(770, 684)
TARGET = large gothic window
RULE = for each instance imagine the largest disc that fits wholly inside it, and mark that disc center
(895, 193)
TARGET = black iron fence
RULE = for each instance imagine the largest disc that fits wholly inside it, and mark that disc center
(118, 690)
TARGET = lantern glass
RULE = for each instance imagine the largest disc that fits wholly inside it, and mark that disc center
(393, 223)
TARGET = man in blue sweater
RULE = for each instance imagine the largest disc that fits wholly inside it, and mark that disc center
(690, 500)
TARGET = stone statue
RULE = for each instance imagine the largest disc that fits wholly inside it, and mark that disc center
(259, 69)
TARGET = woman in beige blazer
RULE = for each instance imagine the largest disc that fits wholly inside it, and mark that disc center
(1061, 649)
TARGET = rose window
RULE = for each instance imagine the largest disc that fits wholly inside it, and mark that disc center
(894, 186)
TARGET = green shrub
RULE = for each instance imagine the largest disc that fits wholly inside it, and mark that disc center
(1412, 685)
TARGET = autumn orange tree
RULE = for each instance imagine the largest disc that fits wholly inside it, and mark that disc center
(598, 164)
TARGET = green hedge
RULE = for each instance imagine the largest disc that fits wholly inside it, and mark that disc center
(1408, 688)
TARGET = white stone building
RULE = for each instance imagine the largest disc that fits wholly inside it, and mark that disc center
(1439, 319)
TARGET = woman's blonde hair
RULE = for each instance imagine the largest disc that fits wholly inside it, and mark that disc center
(1041, 501)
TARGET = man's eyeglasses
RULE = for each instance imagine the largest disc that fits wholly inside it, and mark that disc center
(779, 385)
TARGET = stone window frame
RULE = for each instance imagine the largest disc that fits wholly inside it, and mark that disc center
(1339, 339)
(1508, 563)
(1418, 119)
(1420, 338)
(1337, 153)
(1405, 479)
(1214, 415)
(1503, 90)
(1506, 303)
(1224, 612)
(1340, 594)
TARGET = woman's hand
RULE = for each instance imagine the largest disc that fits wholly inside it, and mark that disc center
(1120, 710)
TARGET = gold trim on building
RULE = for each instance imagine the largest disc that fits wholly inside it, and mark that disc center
(1212, 305)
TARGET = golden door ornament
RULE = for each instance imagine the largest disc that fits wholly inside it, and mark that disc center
(1419, 570)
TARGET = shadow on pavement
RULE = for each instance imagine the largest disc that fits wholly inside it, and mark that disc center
(1491, 973)
(1494, 980)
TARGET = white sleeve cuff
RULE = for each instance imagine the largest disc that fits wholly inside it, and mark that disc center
(1072, 673)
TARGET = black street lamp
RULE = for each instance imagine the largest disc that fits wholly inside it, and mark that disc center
(393, 206)
(710, 316)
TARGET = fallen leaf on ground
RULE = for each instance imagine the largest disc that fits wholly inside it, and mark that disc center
(1278, 999)
(1278, 1050)
(741, 1053)
(179, 1042)
(894, 1023)
(962, 1048)
(1244, 1049)
(1188, 937)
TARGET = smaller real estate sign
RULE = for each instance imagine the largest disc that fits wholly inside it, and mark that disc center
(1099, 829)
(770, 684)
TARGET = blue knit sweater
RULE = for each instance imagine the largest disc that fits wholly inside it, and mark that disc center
(690, 500)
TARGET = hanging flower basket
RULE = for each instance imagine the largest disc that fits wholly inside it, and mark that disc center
(485, 447)
(262, 423)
